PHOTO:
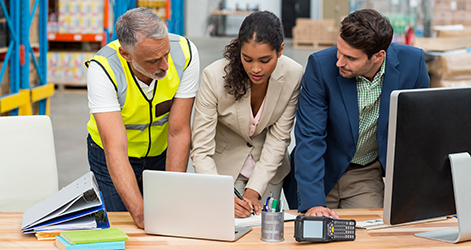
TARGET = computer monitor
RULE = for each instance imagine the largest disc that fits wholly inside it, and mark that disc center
(426, 176)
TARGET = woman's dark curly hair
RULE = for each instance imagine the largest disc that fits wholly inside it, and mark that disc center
(262, 27)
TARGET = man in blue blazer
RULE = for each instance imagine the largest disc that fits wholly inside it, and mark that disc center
(343, 111)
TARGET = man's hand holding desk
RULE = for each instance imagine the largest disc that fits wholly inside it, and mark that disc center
(321, 211)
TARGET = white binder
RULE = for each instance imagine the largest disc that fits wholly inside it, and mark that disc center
(79, 205)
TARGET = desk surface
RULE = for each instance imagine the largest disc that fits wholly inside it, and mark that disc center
(402, 237)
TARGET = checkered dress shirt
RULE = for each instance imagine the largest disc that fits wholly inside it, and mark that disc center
(369, 95)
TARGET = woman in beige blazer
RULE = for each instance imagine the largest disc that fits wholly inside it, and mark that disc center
(245, 110)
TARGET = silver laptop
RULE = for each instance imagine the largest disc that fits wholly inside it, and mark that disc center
(190, 205)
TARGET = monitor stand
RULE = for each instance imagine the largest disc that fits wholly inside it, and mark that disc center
(460, 171)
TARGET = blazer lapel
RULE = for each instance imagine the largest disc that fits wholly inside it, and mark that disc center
(275, 87)
(390, 83)
(243, 115)
(348, 88)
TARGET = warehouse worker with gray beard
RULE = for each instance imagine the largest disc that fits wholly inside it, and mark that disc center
(141, 89)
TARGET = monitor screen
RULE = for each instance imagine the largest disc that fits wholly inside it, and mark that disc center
(425, 126)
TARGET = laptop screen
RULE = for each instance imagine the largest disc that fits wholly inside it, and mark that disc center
(189, 205)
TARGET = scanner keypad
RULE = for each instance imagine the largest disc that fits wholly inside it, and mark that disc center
(341, 229)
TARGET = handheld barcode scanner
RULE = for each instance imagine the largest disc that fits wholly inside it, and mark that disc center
(323, 229)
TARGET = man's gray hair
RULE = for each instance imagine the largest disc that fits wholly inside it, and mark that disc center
(138, 24)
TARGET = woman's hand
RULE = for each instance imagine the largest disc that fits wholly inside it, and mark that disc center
(242, 209)
(252, 197)
(250, 205)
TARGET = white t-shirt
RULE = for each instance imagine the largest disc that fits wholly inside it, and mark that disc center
(102, 93)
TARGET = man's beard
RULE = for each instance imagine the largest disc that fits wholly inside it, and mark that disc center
(148, 74)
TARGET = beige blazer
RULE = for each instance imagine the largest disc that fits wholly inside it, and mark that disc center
(220, 136)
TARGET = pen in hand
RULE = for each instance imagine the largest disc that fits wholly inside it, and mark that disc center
(240, 197)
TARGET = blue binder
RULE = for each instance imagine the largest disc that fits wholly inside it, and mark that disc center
(79, 205)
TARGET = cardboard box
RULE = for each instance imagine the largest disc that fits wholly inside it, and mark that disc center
(456, 67)
(314, 32)
(5, 81)
(34, 29)
(4, 33)
(460, 5)
(466, 31)
(68, 67)
(442, 6)
(446, 12)
(461, 17)
(33, 72)
(443, 17)
(81, 16)
(442, 43)
(438, 83)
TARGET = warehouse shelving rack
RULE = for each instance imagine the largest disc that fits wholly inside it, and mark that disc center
(119, 8)
(19, 54)
(176, 17)
(174, 14)
(102, 37)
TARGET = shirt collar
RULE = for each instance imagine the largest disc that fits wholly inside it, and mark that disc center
(377, 76)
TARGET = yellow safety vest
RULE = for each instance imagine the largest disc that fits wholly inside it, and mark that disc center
(146, 121)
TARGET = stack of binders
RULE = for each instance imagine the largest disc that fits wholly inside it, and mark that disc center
(79, 205)
(102, 239)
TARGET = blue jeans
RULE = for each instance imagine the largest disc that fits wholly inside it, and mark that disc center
(97, 161)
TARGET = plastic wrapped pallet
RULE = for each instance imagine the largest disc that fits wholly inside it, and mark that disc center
(450, 70)
(314, 33)
(451, 66)
(437, 83)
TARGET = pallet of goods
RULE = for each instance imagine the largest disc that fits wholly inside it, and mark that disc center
(317, 34)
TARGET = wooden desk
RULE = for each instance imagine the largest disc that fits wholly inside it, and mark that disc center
(11, 236)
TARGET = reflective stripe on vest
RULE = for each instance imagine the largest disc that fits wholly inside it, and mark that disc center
(160, 122)
(146, 133)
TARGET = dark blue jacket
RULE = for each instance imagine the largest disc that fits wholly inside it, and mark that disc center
(327, 119)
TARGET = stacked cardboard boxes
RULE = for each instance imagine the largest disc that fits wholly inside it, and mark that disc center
(451, 67)
(65, 60)
(4, 41)
(446, 12)
(4, 30)
(157, 6)
(314, 33)
(68, 67)
(33, 72)
(34, 30)
(79, 17)
(448, 59)
(5, 81)
(4, 33)
(450, 70)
